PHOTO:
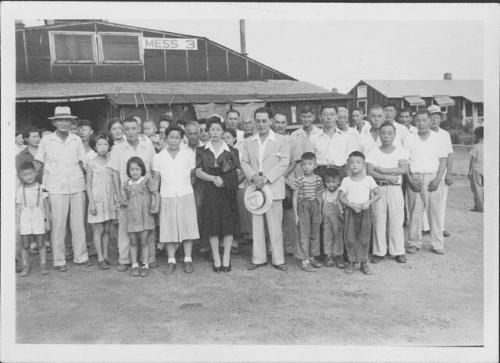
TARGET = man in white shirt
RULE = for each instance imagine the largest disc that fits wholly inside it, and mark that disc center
(361, 126)
(405, 119)
(343, 125)
(332, 146)
(436, 119)
(266, 157)
(427, 164)
(233, 122)
(118, 158)
(391, 113)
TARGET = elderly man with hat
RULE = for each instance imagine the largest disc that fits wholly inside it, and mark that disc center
(62, 155)
(436, 119)
(266, 157)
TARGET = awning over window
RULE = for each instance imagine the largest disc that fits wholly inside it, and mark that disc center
(414, 101)
(444, 101)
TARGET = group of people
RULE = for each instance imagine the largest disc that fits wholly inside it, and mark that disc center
(326, 195)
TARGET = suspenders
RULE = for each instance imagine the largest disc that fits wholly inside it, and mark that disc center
(37, 196)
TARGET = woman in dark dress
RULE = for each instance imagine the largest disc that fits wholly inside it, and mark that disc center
(217, 166)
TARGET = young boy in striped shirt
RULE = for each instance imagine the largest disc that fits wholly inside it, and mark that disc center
(307, 196)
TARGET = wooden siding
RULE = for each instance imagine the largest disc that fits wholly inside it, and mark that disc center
(211, 62)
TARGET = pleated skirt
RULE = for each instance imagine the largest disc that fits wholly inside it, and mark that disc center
(178, 220)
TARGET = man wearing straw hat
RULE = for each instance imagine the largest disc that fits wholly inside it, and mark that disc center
(265, 160)
(62, 155)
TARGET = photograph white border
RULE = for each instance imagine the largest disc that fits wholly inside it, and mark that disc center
(488, 13)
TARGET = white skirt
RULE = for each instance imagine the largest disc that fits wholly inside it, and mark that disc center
(178, 221)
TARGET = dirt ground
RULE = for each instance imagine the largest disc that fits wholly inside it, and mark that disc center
(431, 300)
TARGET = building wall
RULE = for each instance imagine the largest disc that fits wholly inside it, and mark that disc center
(210, 62)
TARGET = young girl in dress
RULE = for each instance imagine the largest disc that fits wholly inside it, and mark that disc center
(101, 198)
(141, 199)
(357, 192)
(32, 215)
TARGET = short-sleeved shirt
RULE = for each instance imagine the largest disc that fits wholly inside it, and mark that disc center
(365, 128)
(175, 172)
(368, 143)
(122, 152)
(358, 191)
(32, 193)
(378, 158)
(445, 140)
(477, 151)
(62, 173)
(333, 150)
(423, 154)
(308, 187)
(300, 142)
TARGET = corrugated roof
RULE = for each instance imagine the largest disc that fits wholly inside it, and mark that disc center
(180, 92)
(472, 89)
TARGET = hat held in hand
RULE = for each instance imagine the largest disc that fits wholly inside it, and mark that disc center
(258, 201)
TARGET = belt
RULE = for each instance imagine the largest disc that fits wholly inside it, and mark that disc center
(385, 183)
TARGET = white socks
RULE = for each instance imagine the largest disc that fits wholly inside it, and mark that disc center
(188, 259)
(171, 260)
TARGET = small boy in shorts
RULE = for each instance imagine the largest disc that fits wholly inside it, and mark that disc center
(307, 195)
(358, 192)
(332, 217)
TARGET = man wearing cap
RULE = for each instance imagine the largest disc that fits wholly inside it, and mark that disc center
(62, 155)
(265, 159)
(118, 158)
(436, 119)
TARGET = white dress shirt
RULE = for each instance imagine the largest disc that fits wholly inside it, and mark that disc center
(333, 150)
(262, 146)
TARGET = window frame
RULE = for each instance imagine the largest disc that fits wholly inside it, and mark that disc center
(52, 46)
(129, 34)
(365, 105)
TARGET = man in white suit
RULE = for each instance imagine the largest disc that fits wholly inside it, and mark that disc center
(265, 160)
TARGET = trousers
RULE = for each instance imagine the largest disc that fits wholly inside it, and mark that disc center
(388, 218)
(274, 218)
(477, 186)
(61, 205)
(309, 212)
(432, 203)
(333, 229)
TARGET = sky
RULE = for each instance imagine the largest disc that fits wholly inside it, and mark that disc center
(336, 53)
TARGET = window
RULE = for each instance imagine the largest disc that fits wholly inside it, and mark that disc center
(480, 111)
(362, 91)
(363, 105)
(72, 47)
(444, 109)
(293, 111)
(468, 109)
(90, 47)
(120, 47)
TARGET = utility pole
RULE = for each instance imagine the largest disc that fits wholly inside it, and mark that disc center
(242, 38)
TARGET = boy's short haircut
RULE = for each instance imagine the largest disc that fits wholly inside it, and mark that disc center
(331, 173)
(422, 112)
(131, 119)
(328, 105)
(27, 165)
(390, 104)
(388, 124)
(359, 109)
(263, 110)
(406, 110)
(358, 154)
(233, 111)
(479, 132)
(85, 122)
(136, 160)
(308, 156)
(29, 130)
(306, 109)
(375, 107)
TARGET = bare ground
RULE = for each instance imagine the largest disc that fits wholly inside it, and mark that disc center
(431, 300)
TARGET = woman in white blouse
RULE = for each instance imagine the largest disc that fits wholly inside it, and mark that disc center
(178, 223)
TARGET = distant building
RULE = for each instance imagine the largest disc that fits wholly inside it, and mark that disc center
(461, 100)
(104, 70)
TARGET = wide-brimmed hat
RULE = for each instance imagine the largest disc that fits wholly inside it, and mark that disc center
(62, 112)
(258, 201)
(434, 109)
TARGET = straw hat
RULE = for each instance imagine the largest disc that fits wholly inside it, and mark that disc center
(62, 112)
(258, 201)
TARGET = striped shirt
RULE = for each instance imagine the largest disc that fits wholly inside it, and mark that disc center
(309, 187)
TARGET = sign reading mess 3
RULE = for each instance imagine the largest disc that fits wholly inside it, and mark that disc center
(170, 43)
